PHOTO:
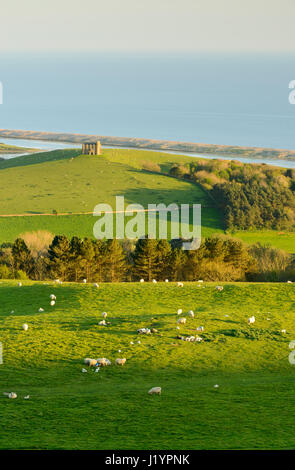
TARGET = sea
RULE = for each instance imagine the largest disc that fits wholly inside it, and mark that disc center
(230, 99)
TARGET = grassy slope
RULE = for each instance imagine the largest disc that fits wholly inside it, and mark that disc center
(53, 180)
(253, 407)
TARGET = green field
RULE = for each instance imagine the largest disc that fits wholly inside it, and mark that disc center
(253, 407)
(67, 182)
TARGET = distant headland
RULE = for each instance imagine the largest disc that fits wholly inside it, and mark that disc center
(151, 144)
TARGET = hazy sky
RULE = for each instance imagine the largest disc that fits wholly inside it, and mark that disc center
(147, 25)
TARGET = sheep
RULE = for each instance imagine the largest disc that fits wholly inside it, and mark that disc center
(90, 362)
(104, 362)
(283, 331)
(251, 320)
(219, 288)
(25, 327)
(289, 282)
(216, 386)
(84, 370)
(41, 310)
(141, 280)
(191, 314)
(102, 323)
(166, 280)
(12, 312)
(95, 284)
(181, 320)
(200, 328)
(10, 395)
(155, 390)
(144, 331)
(179, 311)
(200, 280)
(52, 297)
(180, 284)
(52, 303)
(154, 281)
(26, 397)
(84, 281)
(19, 284)
(120, 362)
(104, 314)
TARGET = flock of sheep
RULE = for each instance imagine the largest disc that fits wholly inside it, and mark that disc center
(102, 362)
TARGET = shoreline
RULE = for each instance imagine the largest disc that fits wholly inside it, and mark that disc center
(152, 144)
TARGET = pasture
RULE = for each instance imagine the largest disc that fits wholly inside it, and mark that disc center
(252, 408)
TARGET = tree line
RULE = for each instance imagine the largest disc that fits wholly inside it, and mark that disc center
(219, 258)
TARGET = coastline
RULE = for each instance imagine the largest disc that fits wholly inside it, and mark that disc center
(151, 144)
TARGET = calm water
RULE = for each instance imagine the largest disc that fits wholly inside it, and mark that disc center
(234, 100)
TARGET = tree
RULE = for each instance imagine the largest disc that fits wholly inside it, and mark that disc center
(115, 261)
(163, 259)
(59, 253)
(22, 259)
(146, 259)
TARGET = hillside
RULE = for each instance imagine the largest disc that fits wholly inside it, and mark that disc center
(253, 407)
(67, 182)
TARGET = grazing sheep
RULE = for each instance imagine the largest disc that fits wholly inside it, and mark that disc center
(120, 362)
(166, 280)
(84, 281)
(154, 281)
(102, 323)
(178, 327)
(155, 390)
(219, 288)
(52, 303)
(181, 320)
(104, 314)
(131, 342)
(144, 331)
(90, 362)
(251, 320)
(52, 297)
(180, 284)
(104, 362)
(84, 370)
(289, 282)
(26, 397)
(12, 311)
(10, 395)
(191, 314)
(41, 309)
(19, 284)
(95, 284)
(200, 280)
(141, 280)
(200, 328)
(25, 327)
(283, 331)
(179, 311)
(216, 386)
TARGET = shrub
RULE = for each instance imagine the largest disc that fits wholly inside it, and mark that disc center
(151, 166)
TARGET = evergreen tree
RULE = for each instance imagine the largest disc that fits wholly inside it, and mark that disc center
(146, 259)
(115, 261)
(22, 259)
(59, 253)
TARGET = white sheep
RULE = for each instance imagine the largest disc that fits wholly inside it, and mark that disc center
(155, 390)
(90, 362)
(179, 311)
(52, 297)
(219, 288)
(141, 280)
(41, 310)
(84, 370)
(95, 284)
(102, 323)
(166, 280)
(251, 320)
(181, 320)
(10, 394)
(180, 284)
(25, 326)
(200, 328)
(120, 362)
(27, 397)
(84, 281)
(289, 282)
(19, 284)
(52, 303)
(200, 280)
(144, 331)
(104, 362)
(104, 314)
(191, 314)
(154, 281)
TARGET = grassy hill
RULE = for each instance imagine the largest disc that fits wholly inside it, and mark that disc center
(253, 407)
(67, 182)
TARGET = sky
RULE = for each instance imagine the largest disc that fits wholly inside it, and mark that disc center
(148, 25)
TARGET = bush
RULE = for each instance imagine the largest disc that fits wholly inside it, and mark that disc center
(151, 166)
(21, 275)
(5, 272)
